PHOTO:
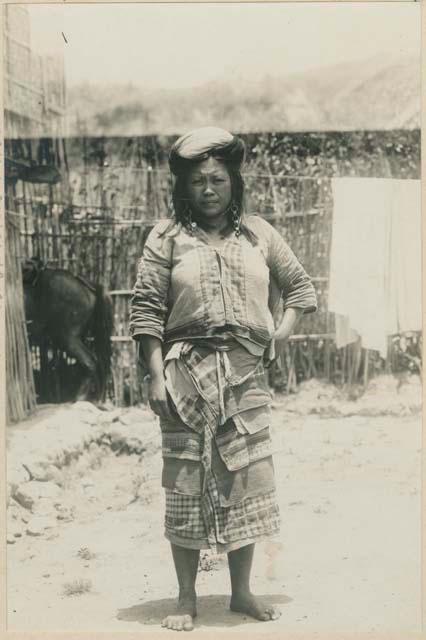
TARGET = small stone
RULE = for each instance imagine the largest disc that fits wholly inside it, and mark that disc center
(86, 406)
(52, 536)
(53, 474)
(15, 510)
(44, 507)
(135, 444)
(34, 531)
(10, 539)
(24, 499)
(64, 517)
(90, 418)
(38, 524)
(106, 418)
(37, 471)
(14, 529)
(136, 416)
(126, 438)
(65, 514)
(29, 493)
(16, 475)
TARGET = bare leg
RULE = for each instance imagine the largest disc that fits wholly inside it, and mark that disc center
(186, 565)
(242, 600)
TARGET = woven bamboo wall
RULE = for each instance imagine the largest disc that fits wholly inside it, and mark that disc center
(93, 221)
(34, 85)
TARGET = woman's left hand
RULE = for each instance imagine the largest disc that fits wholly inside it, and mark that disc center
(288, 322)
(281, 335)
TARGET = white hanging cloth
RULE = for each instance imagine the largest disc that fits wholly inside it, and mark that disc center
(375, 259)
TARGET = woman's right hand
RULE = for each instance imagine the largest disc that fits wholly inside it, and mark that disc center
(157, 397)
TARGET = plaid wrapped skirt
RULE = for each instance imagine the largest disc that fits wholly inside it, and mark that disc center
(211, 503)
(201, 522)
(190, 524)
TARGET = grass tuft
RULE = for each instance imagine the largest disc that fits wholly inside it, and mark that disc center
(86, 554)
(77, 587)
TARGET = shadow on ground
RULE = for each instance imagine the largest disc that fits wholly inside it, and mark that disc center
(213, 611)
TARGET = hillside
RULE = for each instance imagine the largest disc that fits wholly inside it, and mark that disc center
(377, 94)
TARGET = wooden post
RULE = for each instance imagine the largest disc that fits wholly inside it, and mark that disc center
(366, 363)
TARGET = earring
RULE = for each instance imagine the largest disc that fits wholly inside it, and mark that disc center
(189, 223)
(236, 218)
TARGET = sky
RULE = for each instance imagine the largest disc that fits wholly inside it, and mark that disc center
(184, 45)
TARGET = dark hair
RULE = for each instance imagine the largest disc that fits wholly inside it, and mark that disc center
(232, 156)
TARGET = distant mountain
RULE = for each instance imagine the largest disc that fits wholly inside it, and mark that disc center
(379, 93)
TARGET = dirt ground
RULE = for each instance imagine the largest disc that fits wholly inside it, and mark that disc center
(348, 557)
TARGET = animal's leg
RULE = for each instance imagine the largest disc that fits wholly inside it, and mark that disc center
(84, 357)
(56, 381)
(45, 390)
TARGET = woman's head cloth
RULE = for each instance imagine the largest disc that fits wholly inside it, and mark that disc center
(201, 143)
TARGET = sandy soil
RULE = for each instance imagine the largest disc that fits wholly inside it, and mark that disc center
(348, 558)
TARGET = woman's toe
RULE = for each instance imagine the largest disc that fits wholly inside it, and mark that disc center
(187, 623)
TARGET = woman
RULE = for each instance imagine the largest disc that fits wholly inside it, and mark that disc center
(208, 282)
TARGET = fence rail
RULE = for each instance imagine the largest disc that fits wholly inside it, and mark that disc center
(94, 224)
(94, 221)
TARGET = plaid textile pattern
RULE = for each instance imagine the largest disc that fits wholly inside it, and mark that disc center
(200, 522)
(211, 372)
(206, 390)
(200, 381)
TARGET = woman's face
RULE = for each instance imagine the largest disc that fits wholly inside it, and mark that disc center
(209, 188)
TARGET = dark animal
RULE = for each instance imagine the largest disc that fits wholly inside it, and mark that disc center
(63, 310)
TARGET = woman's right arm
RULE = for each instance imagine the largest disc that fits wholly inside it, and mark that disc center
(152, 352)
(148, 311)
(149, 303)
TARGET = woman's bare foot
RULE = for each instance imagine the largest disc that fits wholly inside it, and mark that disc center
(249, 604)
(186, 611)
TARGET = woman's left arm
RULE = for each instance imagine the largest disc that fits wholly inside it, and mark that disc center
(295, 284)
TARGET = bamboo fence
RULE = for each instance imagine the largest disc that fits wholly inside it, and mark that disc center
(21, 399)
(93, 222)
